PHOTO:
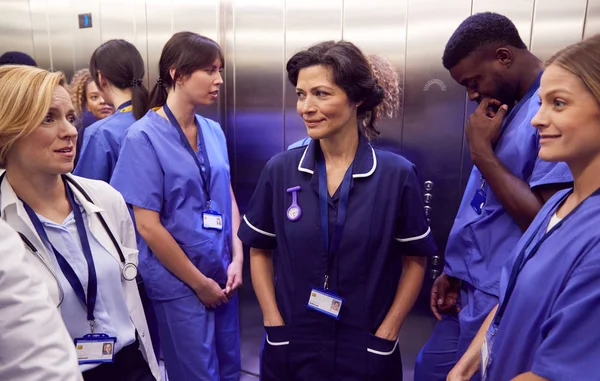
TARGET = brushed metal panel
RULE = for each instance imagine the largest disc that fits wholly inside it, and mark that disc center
(592, 20)
(434, 107)
(227, 104)
(307, 22)
(259, 53)
(62, 23)
(196, 16)
(520, 12)
(16, 32)
(556, 25)
(41, 36)
(380, 30)
(85, 41)
(159, 28)
(200, 17)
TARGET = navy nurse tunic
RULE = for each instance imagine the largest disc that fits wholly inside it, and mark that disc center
(385, 220)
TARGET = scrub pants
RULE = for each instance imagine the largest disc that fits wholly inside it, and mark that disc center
(199, 343)
(452, 336)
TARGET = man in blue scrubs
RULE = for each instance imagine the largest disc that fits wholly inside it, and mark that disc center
(507, 187)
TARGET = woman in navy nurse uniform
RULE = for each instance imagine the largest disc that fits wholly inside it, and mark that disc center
(546, 324)
(348, 224)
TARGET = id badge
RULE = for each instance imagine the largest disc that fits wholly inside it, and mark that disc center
(325, 302)
(212, 220)
(486, 352)
(95, 348)
(478, 201)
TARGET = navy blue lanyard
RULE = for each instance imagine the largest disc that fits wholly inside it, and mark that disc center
(532, 89)
(522, 258)
(203, 169)
(332, 247)
(69, 273)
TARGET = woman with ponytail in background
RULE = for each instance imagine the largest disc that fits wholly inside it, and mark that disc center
(174, 170)
(348, 224)
(117, 69)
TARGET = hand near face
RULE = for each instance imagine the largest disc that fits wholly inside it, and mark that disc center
(484, 125)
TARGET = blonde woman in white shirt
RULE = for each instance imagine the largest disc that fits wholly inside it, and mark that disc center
(78, 231)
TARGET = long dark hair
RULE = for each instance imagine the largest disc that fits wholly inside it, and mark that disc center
(122, 65)
(185, 52)
(370, 80)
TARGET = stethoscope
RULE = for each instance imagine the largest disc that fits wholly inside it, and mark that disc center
(129, 271)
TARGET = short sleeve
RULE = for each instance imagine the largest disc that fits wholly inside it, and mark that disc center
(547, 173)
(570, 335)
(95, 160)
(413, 235)
(257, 228)
(138, 175)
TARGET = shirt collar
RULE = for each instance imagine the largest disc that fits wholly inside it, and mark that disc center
(8, 197)
(365, 160)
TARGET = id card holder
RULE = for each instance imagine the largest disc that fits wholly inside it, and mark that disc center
(478, 201)
(95, 348)
(325, 302)
(486, 352)
(212, 220)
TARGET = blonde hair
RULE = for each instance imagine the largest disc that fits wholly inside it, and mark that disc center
(78, 89)
(583, 60)
(27, 93)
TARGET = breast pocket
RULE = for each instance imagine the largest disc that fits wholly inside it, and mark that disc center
(275, 354)
(383, 360)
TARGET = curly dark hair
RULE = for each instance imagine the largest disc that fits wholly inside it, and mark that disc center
(370, 80)
(477, 31)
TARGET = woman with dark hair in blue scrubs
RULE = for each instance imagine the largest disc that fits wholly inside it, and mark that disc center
(546, 324)
(174, 170)
(117, 68)
(348, 224)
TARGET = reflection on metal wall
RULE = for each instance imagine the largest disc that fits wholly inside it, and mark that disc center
(16, 32)
(258, 66)
(592, 19)
(257, 107)
(556, 26)
(434, 107)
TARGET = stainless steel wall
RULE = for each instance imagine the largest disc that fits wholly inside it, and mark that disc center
(257, 107)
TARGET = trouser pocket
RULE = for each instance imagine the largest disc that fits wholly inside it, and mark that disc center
(383, 360)
(274, 364)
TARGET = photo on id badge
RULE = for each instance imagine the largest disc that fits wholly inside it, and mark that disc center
(335, 306)
(107, 349)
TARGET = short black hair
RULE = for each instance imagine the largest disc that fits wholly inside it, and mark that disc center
(478, 30)
(17, 58)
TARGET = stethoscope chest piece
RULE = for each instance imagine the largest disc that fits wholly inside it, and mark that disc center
(130, 271)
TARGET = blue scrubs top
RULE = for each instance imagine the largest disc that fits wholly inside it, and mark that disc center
(550, 325)
(385, 221)
(157, 173)
(479, 244)
(101, 145)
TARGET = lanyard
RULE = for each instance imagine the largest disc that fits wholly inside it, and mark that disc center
(332, 247)
(69, 273)
(203, 169)
(125, 107)
(522, 259)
